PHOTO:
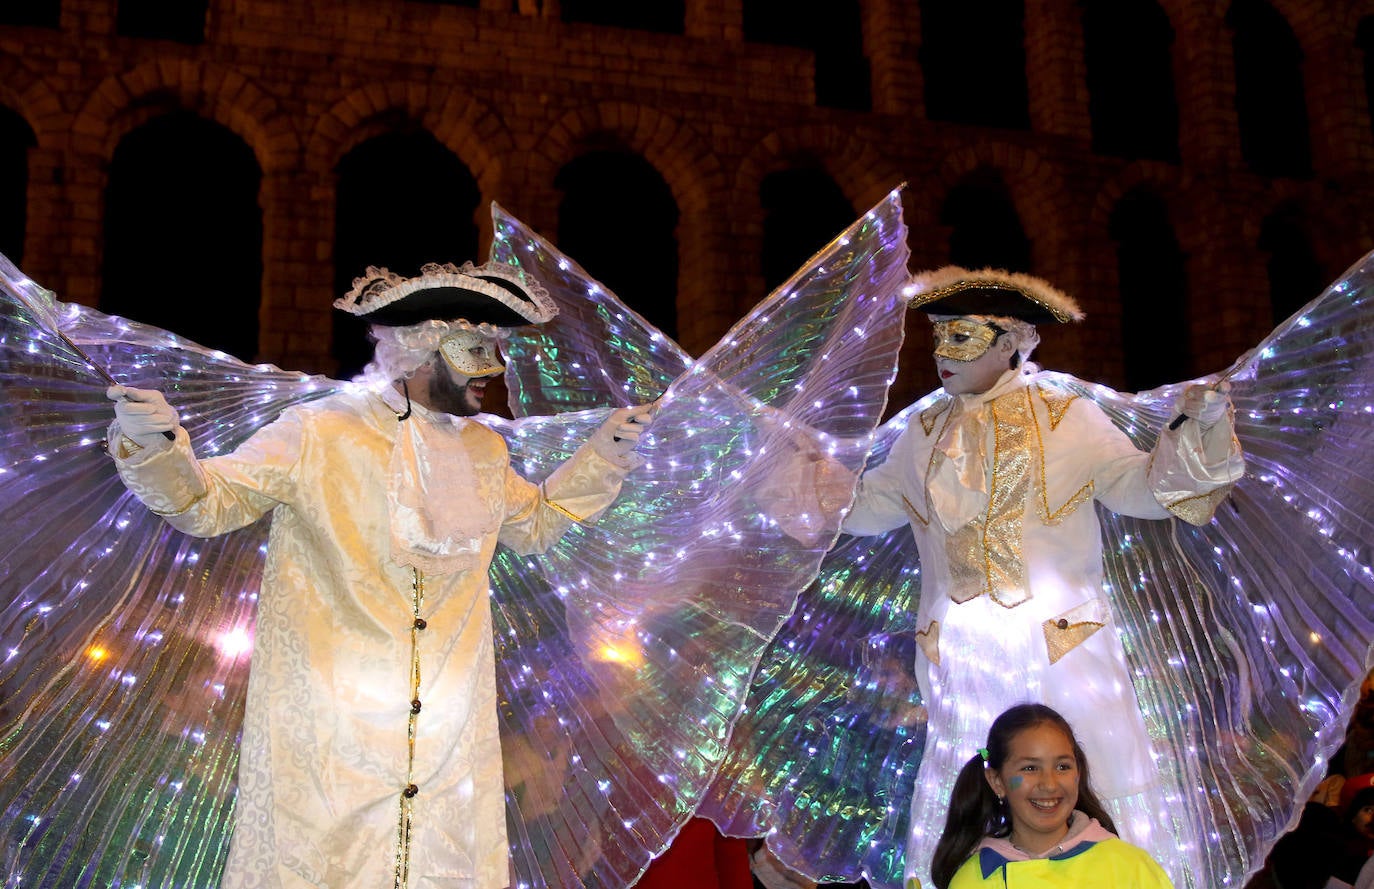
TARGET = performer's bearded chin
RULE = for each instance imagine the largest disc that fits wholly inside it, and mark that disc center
(452, 397)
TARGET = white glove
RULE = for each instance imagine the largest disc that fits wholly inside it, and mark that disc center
(1204, 404)
(144, 415)
(617, 437)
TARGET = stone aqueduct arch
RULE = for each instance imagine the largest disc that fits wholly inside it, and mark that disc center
(861, 172)
(1036, 189)
(694, 176)
(682, 157)
(123, 101)
(469, 128)
(31, 97)
(708, 195)
(863, 176)
(284, 147)
(1157, 178)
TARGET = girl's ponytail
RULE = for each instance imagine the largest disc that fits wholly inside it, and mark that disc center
(974, 812)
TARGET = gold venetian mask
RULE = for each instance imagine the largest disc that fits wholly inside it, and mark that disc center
(963, 339)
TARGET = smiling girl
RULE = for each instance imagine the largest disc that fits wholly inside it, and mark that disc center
(1023, 813)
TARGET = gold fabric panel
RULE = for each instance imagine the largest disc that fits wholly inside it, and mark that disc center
(1061, 636)
(968, 576)
(929, 640)
(1013, 420)
(985, 555)
(1199, 510)
(1071, 629)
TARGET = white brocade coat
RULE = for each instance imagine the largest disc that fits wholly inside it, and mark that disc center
(999, 490)
(325, 755)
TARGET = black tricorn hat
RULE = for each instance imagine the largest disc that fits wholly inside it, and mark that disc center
(952, 290)
(495, 294)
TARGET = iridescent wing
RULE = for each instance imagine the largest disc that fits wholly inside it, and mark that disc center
(823, 758)
(625, 653)
(125, 644)
(597, 353)
(1250, 635)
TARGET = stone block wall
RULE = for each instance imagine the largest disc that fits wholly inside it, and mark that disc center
(516, 94)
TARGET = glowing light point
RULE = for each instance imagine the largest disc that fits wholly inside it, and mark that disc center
(234, 643)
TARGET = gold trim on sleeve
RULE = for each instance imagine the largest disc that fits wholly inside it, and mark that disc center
(573, 517)
(127, 447)
(187, 508)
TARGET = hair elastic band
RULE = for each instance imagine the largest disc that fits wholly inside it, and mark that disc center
(983, 752)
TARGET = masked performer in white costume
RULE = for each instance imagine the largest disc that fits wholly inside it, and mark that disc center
(976, 580)
(621, 654)
(370, 752)
(998, 480)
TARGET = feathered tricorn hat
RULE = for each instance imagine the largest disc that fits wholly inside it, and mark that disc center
(495, 294)
(952, 290)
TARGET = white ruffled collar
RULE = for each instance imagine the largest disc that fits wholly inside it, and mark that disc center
(438, 522)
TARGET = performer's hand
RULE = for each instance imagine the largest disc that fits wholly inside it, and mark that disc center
(617, 437)
(1205, 404)
(144, 415)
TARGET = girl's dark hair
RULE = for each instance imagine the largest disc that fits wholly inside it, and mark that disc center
(976, 812)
